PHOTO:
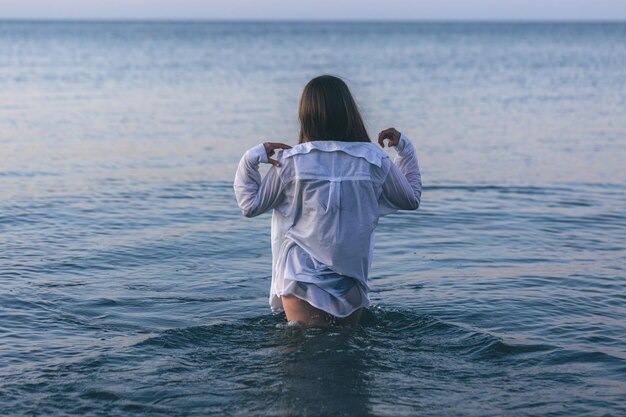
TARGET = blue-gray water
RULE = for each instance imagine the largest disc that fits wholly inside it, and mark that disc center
(131, 284)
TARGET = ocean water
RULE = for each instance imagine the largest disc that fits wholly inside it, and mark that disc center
(131, 284)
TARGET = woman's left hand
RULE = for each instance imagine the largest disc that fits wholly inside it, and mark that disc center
(391, 134)
(270, 147)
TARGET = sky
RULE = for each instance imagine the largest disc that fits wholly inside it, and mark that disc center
(316, 9)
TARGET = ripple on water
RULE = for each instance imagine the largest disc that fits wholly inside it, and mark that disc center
(263, 366)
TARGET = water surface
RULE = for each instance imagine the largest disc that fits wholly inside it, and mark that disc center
(131, 284)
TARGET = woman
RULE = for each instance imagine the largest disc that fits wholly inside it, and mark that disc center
(327, 194)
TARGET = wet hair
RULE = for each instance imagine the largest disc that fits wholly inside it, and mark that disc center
(328, 112)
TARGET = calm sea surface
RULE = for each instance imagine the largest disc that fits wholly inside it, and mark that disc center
(131, 284)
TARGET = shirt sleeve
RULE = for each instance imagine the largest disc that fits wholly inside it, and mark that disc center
(255, 195)
(402, 188)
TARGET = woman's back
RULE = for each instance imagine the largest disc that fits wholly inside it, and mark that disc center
(331, 201)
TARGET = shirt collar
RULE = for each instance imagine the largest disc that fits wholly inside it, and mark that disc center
(365, 150)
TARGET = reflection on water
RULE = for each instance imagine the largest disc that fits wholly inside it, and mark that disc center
(323, 372)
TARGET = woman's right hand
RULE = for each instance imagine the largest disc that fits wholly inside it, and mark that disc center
(391, 134)
(270, 147)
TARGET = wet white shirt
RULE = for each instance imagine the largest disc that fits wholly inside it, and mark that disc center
(327, 197)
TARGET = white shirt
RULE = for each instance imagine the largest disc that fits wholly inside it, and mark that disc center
(327, 197)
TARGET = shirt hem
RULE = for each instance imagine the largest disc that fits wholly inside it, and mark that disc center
(365, 304)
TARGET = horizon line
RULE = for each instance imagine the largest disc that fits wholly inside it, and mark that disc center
(289, 20)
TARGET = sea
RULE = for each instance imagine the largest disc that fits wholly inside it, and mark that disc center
(130, 283)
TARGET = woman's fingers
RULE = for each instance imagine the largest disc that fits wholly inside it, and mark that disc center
(391, 134)
(282, 146)
(382, 136)
(394, 139)
(270, 147)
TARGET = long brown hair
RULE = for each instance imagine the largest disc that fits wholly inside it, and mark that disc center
(328, 112)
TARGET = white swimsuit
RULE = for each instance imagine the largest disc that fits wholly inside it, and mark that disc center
(327, 198)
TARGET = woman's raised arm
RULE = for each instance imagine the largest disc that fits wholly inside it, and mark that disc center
(255, 195)
(402, 189)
